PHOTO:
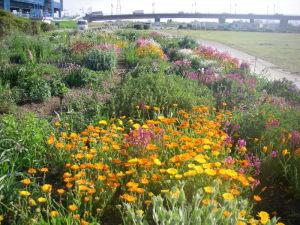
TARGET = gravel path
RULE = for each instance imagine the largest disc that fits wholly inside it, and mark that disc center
(259, 66)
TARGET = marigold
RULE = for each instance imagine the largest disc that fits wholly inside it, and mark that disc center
(228, 196)
(24, 193)
(73, 207)
(208, 189)
(172, 171)
(26, 181)
(128, 198)
(264, 217)
(42, 200)
(257, 198)
(46, 188)
(54, 213)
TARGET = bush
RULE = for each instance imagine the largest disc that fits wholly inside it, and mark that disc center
(236, 91)
(78, 77)
(100, 60)
(38, 89)
(26, 49)
(187, 42)
(45, 27)
(161, 91)
(283, 88)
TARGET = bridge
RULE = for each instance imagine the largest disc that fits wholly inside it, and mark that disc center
(35, 8)
(220, 16)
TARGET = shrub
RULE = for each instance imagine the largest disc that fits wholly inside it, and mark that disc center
(187, 42)
(26, 49)
(38, 89)
(161, 91)
(283, 88)
(45, 27)
(98, 59)
(236, 90)
(78, 77)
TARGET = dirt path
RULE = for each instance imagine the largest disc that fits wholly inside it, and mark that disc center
(259, 66)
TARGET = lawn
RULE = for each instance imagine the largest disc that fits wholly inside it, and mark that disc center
(282, 49)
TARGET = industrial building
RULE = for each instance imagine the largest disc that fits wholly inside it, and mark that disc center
(33, 8)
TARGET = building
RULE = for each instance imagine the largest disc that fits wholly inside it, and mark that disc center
(33, 8)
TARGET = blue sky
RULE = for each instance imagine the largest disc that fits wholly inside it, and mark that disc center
(241, 6)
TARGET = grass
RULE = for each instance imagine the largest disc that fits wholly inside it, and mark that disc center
(281, 49)
(68, 24)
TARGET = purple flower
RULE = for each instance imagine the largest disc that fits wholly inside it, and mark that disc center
(242, 143)
(274, 153)
(229, 160)
(254, 162)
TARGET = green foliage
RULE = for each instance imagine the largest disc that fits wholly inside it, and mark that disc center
(7, 100)
(187, 42)
(98, 59)
(78, 77)
(25, 49)
(45, 27)
(25, 134)
(283, 88)
(161, 91)
(129, 57)
(9, 24)
(235, 93)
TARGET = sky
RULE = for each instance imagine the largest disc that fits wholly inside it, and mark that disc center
(291, 7)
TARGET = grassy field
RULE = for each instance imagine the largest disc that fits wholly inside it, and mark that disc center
(279, 48)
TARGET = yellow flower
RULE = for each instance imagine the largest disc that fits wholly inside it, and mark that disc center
(265, 149)
(103, 122)
(228, 196)
(285, 152)
(26, 181)
(136, 126)
(210, 172)
(200, 159)
(24, 193)
(1, 218)
(280, 223)
(178, 176)
(226, 213)
(172, 171)
(208, 189)
(60, 191)
(157, 162)
(241, 223)
(32, 202)
(297, 152)
(73, 207)
(164, 190)
(46, 188)
(139, 213)
(42, 200)
(54, 213)
(264, 217)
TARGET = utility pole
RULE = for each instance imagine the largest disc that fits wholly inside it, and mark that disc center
(118, 8)
(274, 9)
(153, 7)
(268, 10)
(112, 9)
(230, 6)
(235, 7)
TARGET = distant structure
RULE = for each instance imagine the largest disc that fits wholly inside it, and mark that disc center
(33, 8)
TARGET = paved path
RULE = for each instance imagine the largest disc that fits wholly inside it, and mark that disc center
(259, 66)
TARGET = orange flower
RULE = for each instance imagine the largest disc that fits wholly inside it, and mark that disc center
(73, 207)
(128, 198)
(26, 181)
